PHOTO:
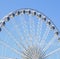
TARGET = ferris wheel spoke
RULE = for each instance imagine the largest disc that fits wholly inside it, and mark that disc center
(31, 30)
(25, 55)
(12, 49)
(39, 28)
(7, 45)
(16, 26)
(57, 50)
(10, 35)
(25, 30)
(45, 35)
(50, 43)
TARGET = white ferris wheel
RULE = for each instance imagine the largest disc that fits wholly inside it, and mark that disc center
(28, 34)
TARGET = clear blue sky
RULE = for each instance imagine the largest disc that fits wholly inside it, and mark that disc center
(50, 8)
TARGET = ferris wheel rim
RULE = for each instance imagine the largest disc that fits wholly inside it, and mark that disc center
(33, 12)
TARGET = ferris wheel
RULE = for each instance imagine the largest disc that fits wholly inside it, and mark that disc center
(28, 34)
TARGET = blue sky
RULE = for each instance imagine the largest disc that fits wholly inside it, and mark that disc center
(50, 8)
